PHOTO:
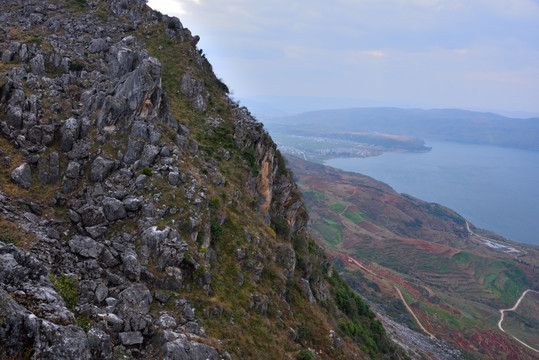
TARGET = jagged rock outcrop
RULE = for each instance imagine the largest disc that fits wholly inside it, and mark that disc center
(277, 192)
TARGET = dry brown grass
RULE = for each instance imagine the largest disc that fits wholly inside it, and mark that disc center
(11, 233)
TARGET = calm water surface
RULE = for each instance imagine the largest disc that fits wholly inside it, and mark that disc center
(494, 188)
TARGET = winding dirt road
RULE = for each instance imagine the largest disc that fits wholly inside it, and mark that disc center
(357, 263)
(502, 312)
(415, 317)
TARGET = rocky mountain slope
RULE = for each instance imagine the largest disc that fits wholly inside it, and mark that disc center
(143, 213)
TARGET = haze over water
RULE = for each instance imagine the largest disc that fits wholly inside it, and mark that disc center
(494, 188)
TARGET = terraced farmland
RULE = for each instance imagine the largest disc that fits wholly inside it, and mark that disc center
(452, 280)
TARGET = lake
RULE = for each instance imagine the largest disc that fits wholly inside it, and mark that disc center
(494, 188)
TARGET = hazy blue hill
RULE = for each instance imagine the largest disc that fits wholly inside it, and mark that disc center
(444, 124)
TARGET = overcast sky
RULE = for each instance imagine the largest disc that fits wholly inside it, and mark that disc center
(474, 54)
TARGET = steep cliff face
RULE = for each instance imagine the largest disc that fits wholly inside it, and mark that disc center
(143, 213)
(277, 193)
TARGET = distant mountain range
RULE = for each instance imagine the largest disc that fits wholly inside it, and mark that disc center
(441, 124)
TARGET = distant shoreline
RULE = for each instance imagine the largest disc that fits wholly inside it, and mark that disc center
(493, 187)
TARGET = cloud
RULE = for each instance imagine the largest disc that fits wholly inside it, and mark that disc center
(375, 53)
(168, 7)
(447, 52)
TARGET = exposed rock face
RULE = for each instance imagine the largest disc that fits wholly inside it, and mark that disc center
(138, 93)
(194, 89)
(45, 327)
(277, 192)
(115, 90)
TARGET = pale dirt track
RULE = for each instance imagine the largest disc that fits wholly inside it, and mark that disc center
(352, 260)
(502, 312)
(415, 317)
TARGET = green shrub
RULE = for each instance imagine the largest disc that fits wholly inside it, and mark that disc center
(147, 171)
(216, 229)
(84, 323)
(214, 202)
(199, 272)
(223, 86)
(7, 236)
(249, 156)
(363, 328)
(305, 355)
(78, 4)
(76, 66)
(281, 164)
(172, 25)
(280, 225)
(303, 331)
(35, 40)
(66, 287)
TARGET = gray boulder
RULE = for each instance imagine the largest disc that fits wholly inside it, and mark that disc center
(6, 56)
(132, 203)
(134, 150)
(131, 338)
(194, 90)
(100, 344)
(151, 237)
(22, 176)
(307, 290)
(85, 246)
(101, 169)
(98, 45)
(49, 171)
(23, 330)
(61, 342)
(70, 133)
(183, 349)
(138, 94)
(73, 170)
(135, 299)
(149, 154)
(130, 265)
(37, 65)
(114, 209)
(92, 215)
(14, 116)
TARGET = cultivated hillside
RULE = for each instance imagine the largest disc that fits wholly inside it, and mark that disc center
(424, 264)
(143, 213)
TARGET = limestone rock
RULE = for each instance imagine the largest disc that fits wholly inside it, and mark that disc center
(307, 289)
(135, 299)
(131, 338)
(101, 169)
(22, 176)
(100, 344)
(113, 209)
(98, 45)
(85, 246)
(49, 171)
(70, 133)
(149, 154)
(183, 349)
(37, 65)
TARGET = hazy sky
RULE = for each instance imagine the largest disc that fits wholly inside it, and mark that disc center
(478, 54)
